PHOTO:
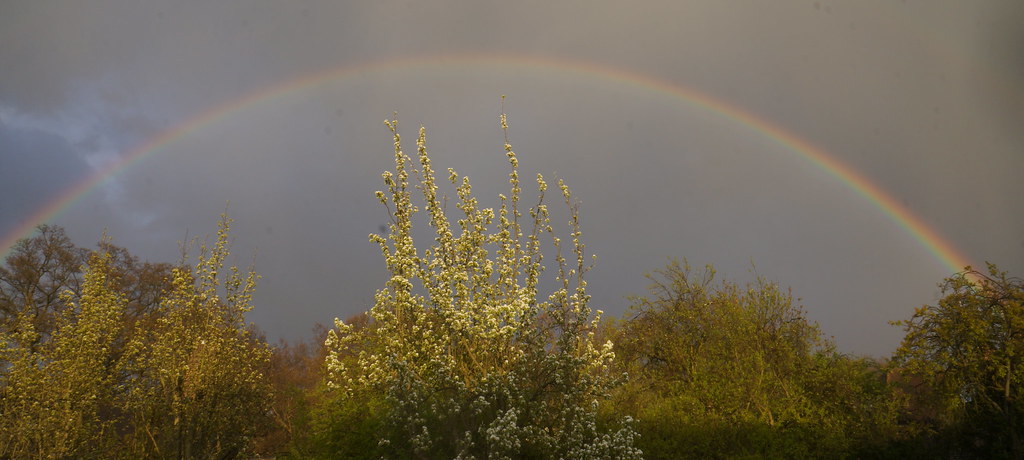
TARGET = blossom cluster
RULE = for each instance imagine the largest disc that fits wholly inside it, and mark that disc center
(474, 361)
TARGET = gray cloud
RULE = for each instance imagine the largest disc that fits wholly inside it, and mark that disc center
(35, 168)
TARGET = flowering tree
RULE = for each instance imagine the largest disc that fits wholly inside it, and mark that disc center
(471, 361)
(53, 393)
(197, 377)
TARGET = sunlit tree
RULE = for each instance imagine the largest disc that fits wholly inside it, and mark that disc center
(43, 267)
(198, 388)
(723, 369)
(968, 350)
(472, 360)
(58, 395)
(737, 349)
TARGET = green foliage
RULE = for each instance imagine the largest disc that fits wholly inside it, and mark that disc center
(969, 352)
(470, 361)
(324, 423)
(55, 393)
(344, 426)
(127, 363)
(730, 351)
(197, 376)
(738, 371)
(294, 370)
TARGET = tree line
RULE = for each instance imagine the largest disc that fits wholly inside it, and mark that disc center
(483, 344)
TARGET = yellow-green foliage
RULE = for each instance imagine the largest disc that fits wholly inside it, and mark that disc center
(184, 381)
(726, 370)
(53, 392)
(198, 377)
(472, 360)
(968, 351)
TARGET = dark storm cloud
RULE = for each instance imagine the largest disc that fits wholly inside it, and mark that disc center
(903, 92)
(35, 168)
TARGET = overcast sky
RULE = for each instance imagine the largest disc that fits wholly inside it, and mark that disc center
(923, 98)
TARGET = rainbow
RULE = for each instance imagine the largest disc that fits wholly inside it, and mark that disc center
(950, 257)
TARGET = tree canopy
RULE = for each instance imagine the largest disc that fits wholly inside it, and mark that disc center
(127, 363)
(720, 368)
(968, 351)
(471, 360)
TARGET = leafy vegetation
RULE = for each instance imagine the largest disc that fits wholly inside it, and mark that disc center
(968, 352)
(180, 378)
(470, 351)
(469, 361)
(721, 369)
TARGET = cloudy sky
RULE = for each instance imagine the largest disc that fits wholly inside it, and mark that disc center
(664, 117)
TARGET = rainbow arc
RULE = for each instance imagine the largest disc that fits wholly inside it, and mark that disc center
(929, 238)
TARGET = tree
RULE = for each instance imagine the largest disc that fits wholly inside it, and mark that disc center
(126, 358)
(739, 348)
(143, 284)
(198, 388)
(38, 270)
(722, 369)
(470, 360)
(296, 372)
(969, 351)
(344, 424)
(57, 395)
(66, 314)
